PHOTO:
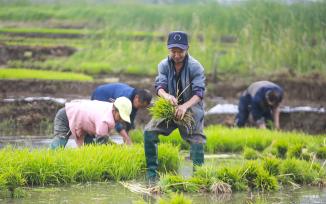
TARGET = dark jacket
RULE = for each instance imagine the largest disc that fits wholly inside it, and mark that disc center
(109, 92)
(256, 93)
(192, 74)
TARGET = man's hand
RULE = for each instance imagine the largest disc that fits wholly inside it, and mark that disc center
(262, 126)
(260, 123)
(168, 97)
(172, 99)
(181, 111)
(125, 137)
(79, 141)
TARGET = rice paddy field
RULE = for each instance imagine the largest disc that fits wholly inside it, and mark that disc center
(237, 161)
(86, 41)
(247, 38)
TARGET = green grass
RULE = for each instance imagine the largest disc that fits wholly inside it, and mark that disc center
(42, 31)
(271, 37)
(42, 74)
(25, 167)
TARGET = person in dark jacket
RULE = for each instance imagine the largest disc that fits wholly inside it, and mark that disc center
(262, 99)
(178, 73)
(140, 99)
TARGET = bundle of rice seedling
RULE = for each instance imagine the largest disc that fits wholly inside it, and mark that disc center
(164, 110)
(220, 187)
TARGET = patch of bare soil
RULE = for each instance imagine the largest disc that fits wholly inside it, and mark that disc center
(27, 117)
(308, 122)
(11, 52)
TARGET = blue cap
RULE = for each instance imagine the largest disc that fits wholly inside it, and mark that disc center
(178, 39)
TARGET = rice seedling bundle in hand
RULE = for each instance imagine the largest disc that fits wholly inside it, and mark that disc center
(164, 110)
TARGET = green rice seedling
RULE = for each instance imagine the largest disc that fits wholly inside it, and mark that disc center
(202, 183)
(13, 180)
(229, 175)
(250, 154)
(175, 198)
(175, 139)
(164, 110)
(220, 187)
(176, 183)
(282, 148)
(265, 182)
(297, 171)
(295, 151)
(89, 163)
(272, 165)
(321, 152)
(137, 136)
(308, 156)
(169, 182)
(4, 192)
(168, 156)
(257, 178)
(41, 74)
(232, 177)
(250, 171)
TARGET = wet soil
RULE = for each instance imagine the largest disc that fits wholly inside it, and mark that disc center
(37, 116)
(23, 53)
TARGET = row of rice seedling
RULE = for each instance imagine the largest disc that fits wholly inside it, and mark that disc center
(78, 43)
(11, 73)
(24, 167)
(267, 174)
(223, 139)
(42, 31)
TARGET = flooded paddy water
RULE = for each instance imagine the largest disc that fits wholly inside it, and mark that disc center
(116, 193)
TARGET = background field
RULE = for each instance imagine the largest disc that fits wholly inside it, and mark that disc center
(250, 38)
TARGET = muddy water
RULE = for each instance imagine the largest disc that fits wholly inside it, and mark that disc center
(116, 193)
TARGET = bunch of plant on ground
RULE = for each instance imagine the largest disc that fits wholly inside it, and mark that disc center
(261, 175)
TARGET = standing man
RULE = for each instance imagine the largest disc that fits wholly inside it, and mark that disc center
(140, 99)
(262, 99)
(178, 73)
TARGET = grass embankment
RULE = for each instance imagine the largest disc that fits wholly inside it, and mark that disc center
(251, 38)
(42, 74)
(25, 167)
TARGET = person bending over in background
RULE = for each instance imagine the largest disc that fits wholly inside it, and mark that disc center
(81, 117)
(140, 99)
(262, 99)
(178, 73)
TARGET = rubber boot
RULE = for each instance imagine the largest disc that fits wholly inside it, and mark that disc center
(197, 155)
(150, 145)
(58, 142)
(89, 139)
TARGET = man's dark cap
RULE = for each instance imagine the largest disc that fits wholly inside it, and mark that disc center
(178, 39)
